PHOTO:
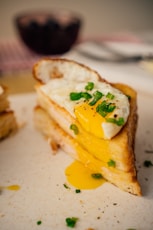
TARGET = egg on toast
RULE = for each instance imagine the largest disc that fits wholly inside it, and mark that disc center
(90, 119)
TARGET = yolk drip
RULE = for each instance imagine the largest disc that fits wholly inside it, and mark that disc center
(90, 120)
(10, 187)
(13, 187)
(81, 177)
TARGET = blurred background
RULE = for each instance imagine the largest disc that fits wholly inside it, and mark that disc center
(100, 17)
(103, 20)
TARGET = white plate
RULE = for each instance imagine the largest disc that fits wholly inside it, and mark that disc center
(26, 160)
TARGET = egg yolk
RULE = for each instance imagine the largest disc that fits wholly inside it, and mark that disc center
(81, 177)
(90, 120)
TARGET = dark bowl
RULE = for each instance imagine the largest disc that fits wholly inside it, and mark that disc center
(52, 32)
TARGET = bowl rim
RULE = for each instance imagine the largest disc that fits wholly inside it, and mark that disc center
(52, 12)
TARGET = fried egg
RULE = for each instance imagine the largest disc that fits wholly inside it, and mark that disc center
(100, 109)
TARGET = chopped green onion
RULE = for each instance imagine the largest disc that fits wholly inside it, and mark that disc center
(97, 96)
(66, 186)
(86, 95)
(111, 163)
(147, 163)
(77, 190)
(74, 128)
(104, 108)
(75, 96)
(110, 96)
(89, 86)
(101, 112)
(97, 175)
(71, 221)
(39, 222)
(118, 122)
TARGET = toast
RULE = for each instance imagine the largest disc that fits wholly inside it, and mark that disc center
(4, 102)
(8, 122)
(54, 122)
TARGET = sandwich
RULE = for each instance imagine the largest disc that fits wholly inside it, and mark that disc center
(8, 122)
(92, 120)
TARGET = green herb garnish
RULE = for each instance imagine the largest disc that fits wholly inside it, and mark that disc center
(111, 163)
(118, 122)
(147, 163)
(77, 190)
(104, 108)
(97, 175)
(110, 96)
(71, 221)
(97, 96)
(86, 95)
(66, 186)
(39, 222)
(89, 86)
(74, 128)
(75, 96)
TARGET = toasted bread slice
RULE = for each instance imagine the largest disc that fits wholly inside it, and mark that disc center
(124, 180)
(8, 122)
(120, 148)
(4, 103)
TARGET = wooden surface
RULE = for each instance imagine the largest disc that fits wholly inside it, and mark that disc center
(18, 82)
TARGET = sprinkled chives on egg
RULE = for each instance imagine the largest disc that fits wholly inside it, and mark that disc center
(100, 109)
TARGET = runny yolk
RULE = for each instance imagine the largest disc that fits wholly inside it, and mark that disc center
(90, 120)
(81, 177)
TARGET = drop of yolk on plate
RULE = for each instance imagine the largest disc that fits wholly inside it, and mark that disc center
(81, 177)
(13, 187)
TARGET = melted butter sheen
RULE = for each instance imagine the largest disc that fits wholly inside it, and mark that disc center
(81, 177)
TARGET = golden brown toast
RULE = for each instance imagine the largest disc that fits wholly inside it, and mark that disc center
(54, 122)
(8, 122)
(4, 103)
